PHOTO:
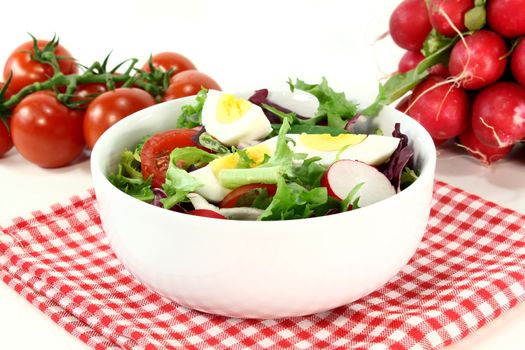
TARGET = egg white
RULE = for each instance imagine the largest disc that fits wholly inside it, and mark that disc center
(373, 150)
(211, 188)
(252, 125)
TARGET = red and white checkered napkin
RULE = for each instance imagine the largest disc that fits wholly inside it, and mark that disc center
(469, 269)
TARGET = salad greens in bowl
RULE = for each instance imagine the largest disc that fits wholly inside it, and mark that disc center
(264, 204)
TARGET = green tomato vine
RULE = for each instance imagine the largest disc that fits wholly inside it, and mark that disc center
(154, 82)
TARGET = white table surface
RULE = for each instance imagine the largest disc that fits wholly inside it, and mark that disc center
(242, 45)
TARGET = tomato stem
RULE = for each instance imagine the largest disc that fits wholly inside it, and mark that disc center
(154, 82)
(72, 81)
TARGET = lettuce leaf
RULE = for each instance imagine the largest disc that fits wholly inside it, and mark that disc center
(191, 114)
(293, 201)
(178, 181)
(408, 176)
(186, 157)
(129, 179)
(333, 106)
(269, 172)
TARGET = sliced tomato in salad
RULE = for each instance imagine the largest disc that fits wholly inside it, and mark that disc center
(206, 213)
(244, 196)
(155, 155)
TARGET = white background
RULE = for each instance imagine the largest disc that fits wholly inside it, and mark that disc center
(241, 44)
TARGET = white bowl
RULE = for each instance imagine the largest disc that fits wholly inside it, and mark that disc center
(253, 269)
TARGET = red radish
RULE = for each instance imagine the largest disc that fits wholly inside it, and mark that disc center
(440, 107)
(409, 61)
(455, 10)
(517, 63)
(439, 142)
(206, 213)
(498, 114)
(402, 105)
(487, 154)
(507, 17)
(409, 24)
(481, 62)
(343, 175)
(439, 69)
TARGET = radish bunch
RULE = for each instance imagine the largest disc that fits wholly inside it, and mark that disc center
(465, 70)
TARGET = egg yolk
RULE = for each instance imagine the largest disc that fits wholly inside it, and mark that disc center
(255, 153)
(327, 142)
(231, 108)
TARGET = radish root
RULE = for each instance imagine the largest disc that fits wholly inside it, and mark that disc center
(483, 157)
(495, 134)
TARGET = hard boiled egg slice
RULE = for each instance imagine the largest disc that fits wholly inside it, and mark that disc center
(370, 149)
(211, 188)
(233, 120)
(324, 146)
(373, 150)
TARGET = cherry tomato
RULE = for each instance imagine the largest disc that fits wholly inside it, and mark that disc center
(155, 155)
(243, 196)
(6, 142)
(46, 132)
(25, 71)
(169, 60)
(87, 92)
(206, 213)
(110, 107)
(189, 83)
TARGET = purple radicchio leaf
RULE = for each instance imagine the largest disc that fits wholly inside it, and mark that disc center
(260, 97)
(159, 194)
(399, 159)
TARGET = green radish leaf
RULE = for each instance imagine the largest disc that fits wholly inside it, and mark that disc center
(434, 42)
(399, 84)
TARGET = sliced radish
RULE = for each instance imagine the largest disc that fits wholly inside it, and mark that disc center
(206, 213)
(343, 175)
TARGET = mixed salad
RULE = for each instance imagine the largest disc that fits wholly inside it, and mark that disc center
(253, 159)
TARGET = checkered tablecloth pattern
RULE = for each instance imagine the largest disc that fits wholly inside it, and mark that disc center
(469, 268)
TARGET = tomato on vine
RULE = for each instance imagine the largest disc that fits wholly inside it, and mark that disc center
(88, 92)
(56, 109)
(6, 142)
(189, 83)
(110, 107)
(25, 71)
(169, 60)
(46, 132)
